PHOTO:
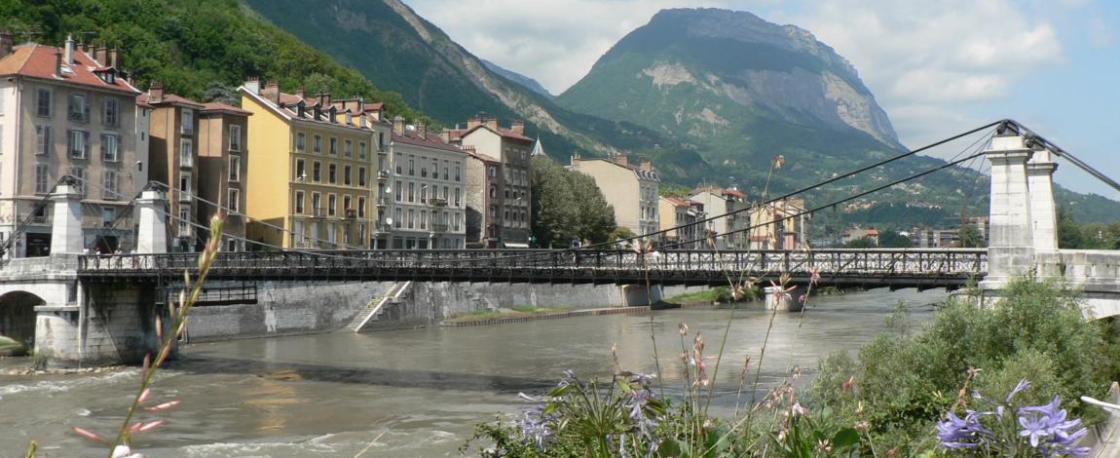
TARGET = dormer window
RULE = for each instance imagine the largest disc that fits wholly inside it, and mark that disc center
(107, 75)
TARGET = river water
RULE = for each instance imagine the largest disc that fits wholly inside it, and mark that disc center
(412, 393)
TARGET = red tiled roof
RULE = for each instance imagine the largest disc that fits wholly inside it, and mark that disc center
(734, 192)
(505, 133)
(38, 61)
(677, 201)
(219, 106)
(287, 102)
(412, 137)
(375, 106)
(168, 99)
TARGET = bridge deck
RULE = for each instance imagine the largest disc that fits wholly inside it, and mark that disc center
(886, 267)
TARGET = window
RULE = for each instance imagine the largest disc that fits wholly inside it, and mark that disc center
(43, 102)
(231, 244)
(317, 145)
(109, 189)
(412, 192)
(112, 112)
(233, 200)
(445, 193)
(493, 211)
(446, 174)
(424, 194)
(399, 163)
(423, 168)
(79, 144)
(332, 173)
(316, 171)
(235, 168)
(362, 234)
(423, 220)
(79, 108)
(185, 185)
(361, 150)
(42, 178)
(399, 220)
(297, 233)
(399, 191)
(411, 219)
(458, 219)
(301, 142)
(301, 171)
(381, 141)
(186, 153)
(361, 207)
(458, 201)
(347, 148)
(493, 172)
(187, 121)
(435, 168)
(108, 215)
(457, 171)
(346, 175)
(412, 165)
(316, 204)
(493, 192)
(234, 137)
(42, 139)
(79, 174)
(184, 222)
(110, 147)
(332, 201)
(299, 203)
(348, 205)
(361, 176)
(333, 146)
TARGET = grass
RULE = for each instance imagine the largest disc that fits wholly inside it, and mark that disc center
(515, 311)
(706, 296)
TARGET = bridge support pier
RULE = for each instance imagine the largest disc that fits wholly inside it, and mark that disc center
(66, 225)
(777, 299)
(152, 238)
(1044, 214)
(1010, 238)
(639, 295)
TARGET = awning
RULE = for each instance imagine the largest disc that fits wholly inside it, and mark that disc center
(516, 245)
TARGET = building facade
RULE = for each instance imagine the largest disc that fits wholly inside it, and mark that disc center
(503, 154)
(311, 183)
(632, 190)
(223, 166)
(66, 111)
(780, 225)
(173, 156)
(680, 218)
(428, 193)
(727, 208)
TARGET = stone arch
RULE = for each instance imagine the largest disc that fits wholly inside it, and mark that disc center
(17, 318)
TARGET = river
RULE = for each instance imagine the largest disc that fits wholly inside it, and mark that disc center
(412, 393)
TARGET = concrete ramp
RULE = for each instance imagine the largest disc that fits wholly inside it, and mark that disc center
(376, 306)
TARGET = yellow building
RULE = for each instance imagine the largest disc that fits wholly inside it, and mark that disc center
(632, 190)
(781, 225)
(310, 181)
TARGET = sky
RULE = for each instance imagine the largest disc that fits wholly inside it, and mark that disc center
(938, 67)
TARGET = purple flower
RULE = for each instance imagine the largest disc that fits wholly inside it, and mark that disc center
(1036, 428)
(1049, 431)
(1023, 384)
(956, 432)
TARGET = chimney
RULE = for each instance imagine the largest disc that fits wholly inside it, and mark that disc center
(7, 41)
(445, 135)
(421, 129)
(398, 125)
(362, 120)
(155, 92)
(69, 56)
(301, 92)
(645, 163)
(271, 91)
(114, 58)
(58, 63)
(518, 126)
(622, 159)
(474, 121)
(253, 85)
(491, 122)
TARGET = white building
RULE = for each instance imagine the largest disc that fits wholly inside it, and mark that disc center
(427, 196)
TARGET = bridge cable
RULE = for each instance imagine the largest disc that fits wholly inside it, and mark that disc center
(26, 222)
(1033, 139)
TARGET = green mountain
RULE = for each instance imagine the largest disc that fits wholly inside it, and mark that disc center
(529, 83)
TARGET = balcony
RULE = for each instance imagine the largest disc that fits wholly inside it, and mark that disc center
(185, 196)
(350, 213)
(186, 162)
(382, 201)
(318, 212)
(435, 202)
(382, 175)
(439, 228)
(40, 219)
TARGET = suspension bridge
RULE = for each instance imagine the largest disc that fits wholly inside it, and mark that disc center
(102, 307)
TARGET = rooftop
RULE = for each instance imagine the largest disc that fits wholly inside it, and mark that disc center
(38, 61)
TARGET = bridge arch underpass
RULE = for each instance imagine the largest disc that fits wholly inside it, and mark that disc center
(17, 318)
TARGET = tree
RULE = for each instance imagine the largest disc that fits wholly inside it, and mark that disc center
(892, 239)
(566, 205)
(1069, 232)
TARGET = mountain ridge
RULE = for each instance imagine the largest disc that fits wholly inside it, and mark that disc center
(528, 82)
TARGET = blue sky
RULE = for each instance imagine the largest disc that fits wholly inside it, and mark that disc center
(937, 67)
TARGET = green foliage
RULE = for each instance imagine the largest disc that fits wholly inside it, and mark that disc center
(1036, 331)
(816, 436)
(863, 242)
(674, 190)
(1092, 236)
(621, 233)
(721, 294)
(198, 49)
(892, 239)
(567, 204)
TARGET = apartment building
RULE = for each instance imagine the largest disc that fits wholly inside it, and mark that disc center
(428, 192)
(680, 218)
(310, 180)
(727, 208)
(504, 219)
(66, 111)
(223, 165)
(633, 190)
(173, 159)
(780, 225)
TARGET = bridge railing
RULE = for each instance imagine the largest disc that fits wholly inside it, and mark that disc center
(880, 262)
